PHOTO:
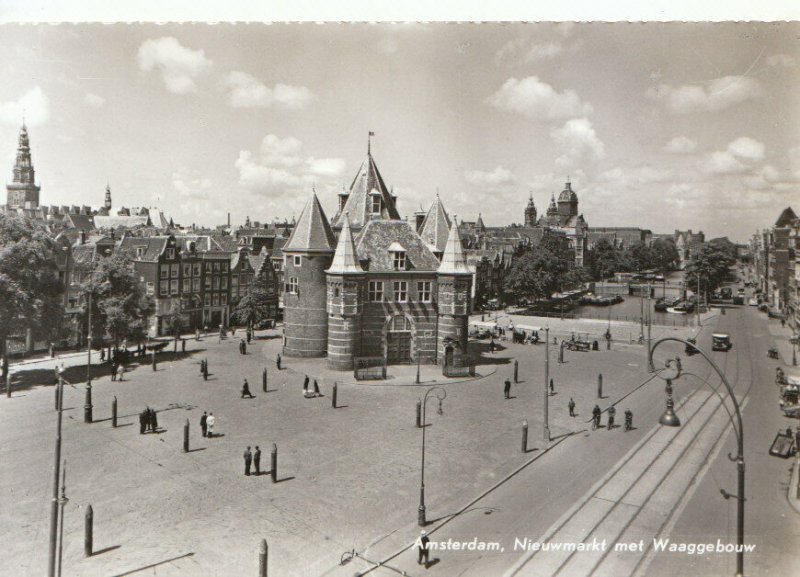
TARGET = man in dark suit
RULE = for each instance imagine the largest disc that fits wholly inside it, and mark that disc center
(203, 425)
(257, 460)
(422, 548)
(507, 389)
(248, 457)
(142, 422)
(153, 420)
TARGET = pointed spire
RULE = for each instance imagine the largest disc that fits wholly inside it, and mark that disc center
(311, 232)
(345, 259)
(453, 261)
(435, 227)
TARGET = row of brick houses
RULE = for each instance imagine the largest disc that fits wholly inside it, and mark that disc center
(776, 267)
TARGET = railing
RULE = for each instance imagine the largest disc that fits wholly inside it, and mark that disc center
(369, 368)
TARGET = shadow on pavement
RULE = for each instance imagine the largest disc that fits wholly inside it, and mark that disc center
(106, 550)
(153, 565)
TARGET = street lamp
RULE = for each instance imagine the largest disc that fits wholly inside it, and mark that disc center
(669, 418)
(440, 394)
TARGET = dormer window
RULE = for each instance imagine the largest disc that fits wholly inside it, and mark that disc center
(140, 251)
(170, 253)
(398, 254)
(376, 202)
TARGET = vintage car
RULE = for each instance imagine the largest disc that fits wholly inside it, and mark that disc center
(721, 342)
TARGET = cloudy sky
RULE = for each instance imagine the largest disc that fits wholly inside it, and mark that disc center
(661, 126)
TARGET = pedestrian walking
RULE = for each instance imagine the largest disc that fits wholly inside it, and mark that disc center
(142, 422)
(422, 548)
(257, 460)
(612, 412)
(596, 412)
(305, 385)
(278, 361)
(552, 388)
(102, 354)
(113, 370)
(246, 390)
(571, 406)
(148, 419)
(210, 422)
(248, 457)
(507, 388)
(244, 347)
(316, 388)
(203, 423)
(154, 420)
(249, 336)
(120, 372)
(628, 419)
(491, 345)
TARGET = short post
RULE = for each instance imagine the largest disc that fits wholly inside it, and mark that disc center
(419, 414)
(525, 436)
(273, 467)
(334, 394)
(175, 346)
(88, 534)
(183, 345)
(57, 399)
(600, 386)
(154, 360)
(114, 413)
(87, 406)
(202, 366)
(418, 361)
(264, 379)
(262, 559)
(186, 436)
(516, 371)
(205, 369)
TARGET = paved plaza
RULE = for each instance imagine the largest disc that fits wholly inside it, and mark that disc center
(158, 510)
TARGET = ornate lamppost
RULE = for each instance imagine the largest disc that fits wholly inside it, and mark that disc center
(440, 394)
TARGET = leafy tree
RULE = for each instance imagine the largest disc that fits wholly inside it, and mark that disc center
(638, 256)
(543, 269)
(712, 265)
(256, 305)
(603, 259)
(664, 254)
(30, 290)
(120, 306)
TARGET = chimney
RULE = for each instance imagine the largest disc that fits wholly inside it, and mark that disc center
(419, 217)
(83, 237)
(229, 219)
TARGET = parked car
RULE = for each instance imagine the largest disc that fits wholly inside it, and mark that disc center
(752, 302)
(721, 342)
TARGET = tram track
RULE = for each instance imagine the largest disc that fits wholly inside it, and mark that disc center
(698, 423)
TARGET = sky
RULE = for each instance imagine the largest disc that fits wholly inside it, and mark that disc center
(661, 126)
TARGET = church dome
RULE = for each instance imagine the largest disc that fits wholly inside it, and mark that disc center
(568, 195)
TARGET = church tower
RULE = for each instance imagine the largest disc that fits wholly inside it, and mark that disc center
(23, 192)
(530, 213)
(107, 203)
(552, 210)
(345, 293)
(454, 281)
(568, 201)
(307, 255)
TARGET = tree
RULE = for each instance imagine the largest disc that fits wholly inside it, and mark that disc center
(665, 255)
(638, 257)
(30, 290)
(545, 268)
(711, 264)
(120, 306)
(256, 305)
(603, 259)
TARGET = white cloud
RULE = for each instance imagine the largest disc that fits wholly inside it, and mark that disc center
(191, 186)
(718, 94)
(94, 100)
(498, 177)
(179, 66)
(524, 51)
(326, 166)
(783, 60)
(794, 161)
(680, 145)
(34, 106)
(247, 91)
(764, 178)
(578, 143)
(536, 99)
(735, 159)
(632, 177)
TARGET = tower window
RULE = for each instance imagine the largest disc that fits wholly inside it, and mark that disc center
(297, 260)
(375, 291)
(400, 291)
(291, 286)
(376, 204)
(424, 291)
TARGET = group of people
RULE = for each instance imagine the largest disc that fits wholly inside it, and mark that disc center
(207, 422)
(242, 347)
(253, 458)
(148, 421)
(306, 392)
(612, 413)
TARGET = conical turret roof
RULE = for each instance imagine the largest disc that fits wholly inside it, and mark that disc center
(367, 183)
(311, 232)
(453, 261)
(345, 259)
(436, 226)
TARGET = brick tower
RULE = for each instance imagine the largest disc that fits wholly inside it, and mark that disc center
(530, 213)
(308, 253)
(345, 293)
(454, 281)
(23, 192)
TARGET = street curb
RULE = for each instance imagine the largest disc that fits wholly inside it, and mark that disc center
(794, 479)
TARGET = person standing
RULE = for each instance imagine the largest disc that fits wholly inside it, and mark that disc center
(316, 388)
(305, 385)
(248, 457)
(120, 371)
(113, 370)
(203, 423)
(142, 422)
(507, 388)
(154, 420)
(210, 421)
(244, 347)
(552, 388)
(249, 336)
(491, 345)
(596, 412)
(148, 419)
(571, 406)
(278, 361)
(611, 414)
(257, 460)
(246, 390)
(422, 548)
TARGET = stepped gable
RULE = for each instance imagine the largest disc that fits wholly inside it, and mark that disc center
(345, 259)
(375, 239)
(453, 261)
(367, 184)
(311, 233)
(436, 227)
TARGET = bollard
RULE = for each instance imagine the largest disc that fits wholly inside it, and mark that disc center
(419, 414)
(333, 395)
(525, 436)
(273, 467)
(516, 371)
(87, 406)
(88, 535)
(205, 369)
(154, 361)
(186, 436)
(183, 345)
(175, 346)
(264, 379)
(202, 366)
(56, 392)
(600, 386)
(114, 413)
(262, 559)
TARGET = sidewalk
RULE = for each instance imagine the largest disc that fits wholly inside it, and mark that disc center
(781, 337)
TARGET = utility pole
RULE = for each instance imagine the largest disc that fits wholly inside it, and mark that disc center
(546, 430)
(51, 566)
(62, 502)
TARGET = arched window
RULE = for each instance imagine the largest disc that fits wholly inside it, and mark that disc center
(399, 323)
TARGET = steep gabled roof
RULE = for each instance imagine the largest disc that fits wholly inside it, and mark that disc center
(345, 260)
(312, 233)
(453, 261)
(368, 182)
(786, 218)
(374, 240)
(436, 226)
